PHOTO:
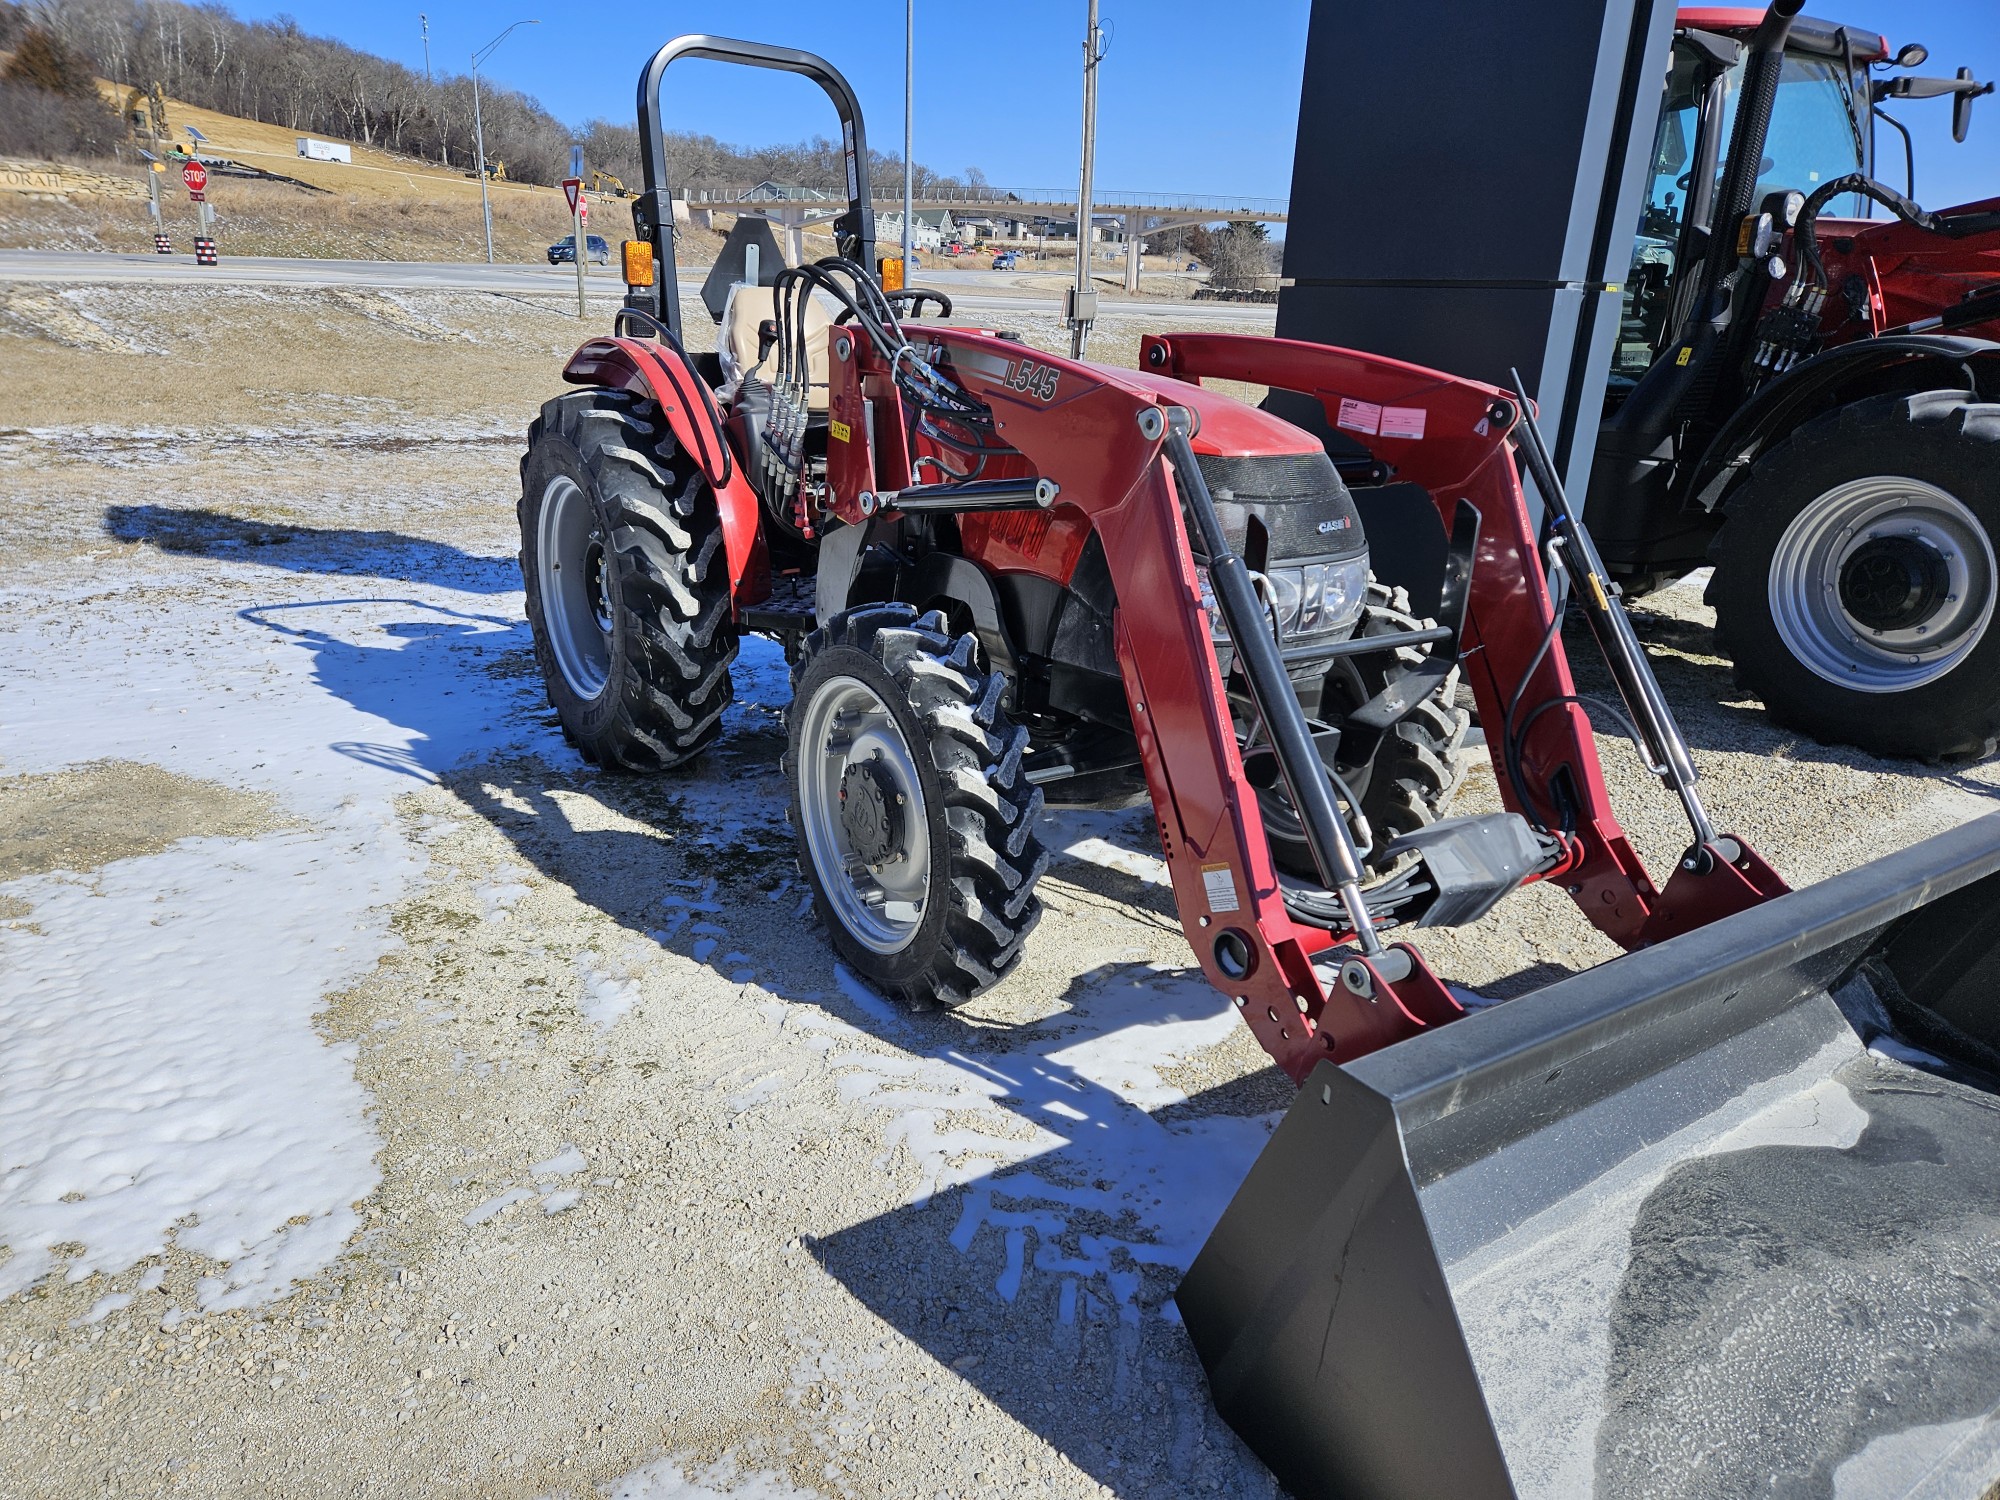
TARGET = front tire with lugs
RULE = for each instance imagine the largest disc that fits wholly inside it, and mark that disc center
(915, 820)
(627, 582)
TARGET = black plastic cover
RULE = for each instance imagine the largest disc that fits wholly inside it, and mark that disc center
(1471, 863)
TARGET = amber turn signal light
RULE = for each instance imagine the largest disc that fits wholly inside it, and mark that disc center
(638, 263)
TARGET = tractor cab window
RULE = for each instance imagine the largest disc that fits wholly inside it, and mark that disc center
(1813, 136)
(1656, 254)
(1813, 139)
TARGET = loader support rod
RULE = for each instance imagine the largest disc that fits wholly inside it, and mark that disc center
(1263, 670)
(1638, 686)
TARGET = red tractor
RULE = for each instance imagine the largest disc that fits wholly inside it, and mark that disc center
(1008, 581)
(941, 526)
(1813, 403)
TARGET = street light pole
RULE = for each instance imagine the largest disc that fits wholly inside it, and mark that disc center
(1082, 309)
(479, 131)
(909, 132)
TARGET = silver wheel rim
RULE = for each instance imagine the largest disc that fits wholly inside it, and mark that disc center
(847, 726)
(575, 587)
(1862, 527)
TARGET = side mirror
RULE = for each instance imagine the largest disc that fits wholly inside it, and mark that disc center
(1961, 104)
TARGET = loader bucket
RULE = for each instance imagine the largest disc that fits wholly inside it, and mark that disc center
(1719, 1218)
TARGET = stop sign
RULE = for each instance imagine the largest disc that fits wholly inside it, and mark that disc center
(195, 175)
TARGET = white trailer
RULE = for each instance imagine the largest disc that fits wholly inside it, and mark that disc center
(313, 150)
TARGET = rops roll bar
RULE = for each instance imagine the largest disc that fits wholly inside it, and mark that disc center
(653, 211)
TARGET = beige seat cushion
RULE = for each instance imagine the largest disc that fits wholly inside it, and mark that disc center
(736, 343)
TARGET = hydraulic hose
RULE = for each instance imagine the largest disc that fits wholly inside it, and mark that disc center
(1950, 225)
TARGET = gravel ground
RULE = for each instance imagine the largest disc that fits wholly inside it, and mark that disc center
(663, 1202)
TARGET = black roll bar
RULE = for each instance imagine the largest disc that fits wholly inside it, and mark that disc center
(653, 209)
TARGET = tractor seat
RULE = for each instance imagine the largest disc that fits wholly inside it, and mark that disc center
(737, 342)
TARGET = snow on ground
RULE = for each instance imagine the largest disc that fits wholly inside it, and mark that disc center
(1058, 1128)
(664, 1479)
(161, 1079)
(160, 1076)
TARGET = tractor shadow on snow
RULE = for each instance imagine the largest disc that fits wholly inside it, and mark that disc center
(308, 549)
(1042, 1275)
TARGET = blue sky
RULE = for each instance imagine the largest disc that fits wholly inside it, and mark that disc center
(1194, 96)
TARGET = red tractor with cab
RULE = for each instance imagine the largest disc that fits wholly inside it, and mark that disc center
(1809, 399)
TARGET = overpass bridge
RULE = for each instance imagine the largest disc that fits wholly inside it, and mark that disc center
(1139, 214)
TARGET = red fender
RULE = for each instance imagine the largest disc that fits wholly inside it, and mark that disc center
(655, 370)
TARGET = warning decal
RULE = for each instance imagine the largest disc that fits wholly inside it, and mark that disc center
(1220, 887)
(1403, 421)
(841, 431)
(1360, 416)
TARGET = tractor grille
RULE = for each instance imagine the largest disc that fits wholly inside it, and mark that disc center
(1301, 509)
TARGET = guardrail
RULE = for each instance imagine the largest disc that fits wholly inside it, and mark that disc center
(1027, 200)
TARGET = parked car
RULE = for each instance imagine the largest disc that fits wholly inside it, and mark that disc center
(563, 251)
(1006, 260)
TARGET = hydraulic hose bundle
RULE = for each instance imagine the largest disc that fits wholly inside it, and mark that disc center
(938, 407)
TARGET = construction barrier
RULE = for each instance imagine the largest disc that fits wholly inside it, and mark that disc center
(204, 251)
(163, 244)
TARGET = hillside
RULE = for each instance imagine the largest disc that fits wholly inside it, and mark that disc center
(382, 207)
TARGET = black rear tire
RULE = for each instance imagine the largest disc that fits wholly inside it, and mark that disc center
(653, 577)
(1936, 443)
(974, 807)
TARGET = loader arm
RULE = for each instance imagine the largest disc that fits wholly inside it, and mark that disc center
(1099, 437)
(1453, 437)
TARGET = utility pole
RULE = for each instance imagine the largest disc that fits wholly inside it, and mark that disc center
(909, 132)
(1082, 309)
(479, 130)
(426, 20)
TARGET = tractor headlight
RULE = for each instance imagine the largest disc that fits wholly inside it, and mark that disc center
(1316, 599)
(1320, 598)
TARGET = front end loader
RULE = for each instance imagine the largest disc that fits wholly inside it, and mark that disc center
(1006, 580)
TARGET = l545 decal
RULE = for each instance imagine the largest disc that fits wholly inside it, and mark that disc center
(1033, 379)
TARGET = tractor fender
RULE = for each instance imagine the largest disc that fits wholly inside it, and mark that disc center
(664, 373)
(936, 579)
(942, 576)
(1901, 362)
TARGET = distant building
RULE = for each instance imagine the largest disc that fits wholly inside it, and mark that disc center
(977, 227)
(786, 192)
(1105, 229)
(933, 227)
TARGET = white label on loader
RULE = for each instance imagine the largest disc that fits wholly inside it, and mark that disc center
(1220, 886)
(1403, 421)
(1360, 416)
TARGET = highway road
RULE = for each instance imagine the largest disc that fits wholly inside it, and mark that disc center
(971, 290)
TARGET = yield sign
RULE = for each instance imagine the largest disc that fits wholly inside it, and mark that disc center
(572, 189)
(195, 175)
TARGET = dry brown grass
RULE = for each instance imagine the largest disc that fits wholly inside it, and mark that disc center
(273, 218)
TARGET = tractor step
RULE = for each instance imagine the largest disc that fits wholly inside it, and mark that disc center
(788, 612)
